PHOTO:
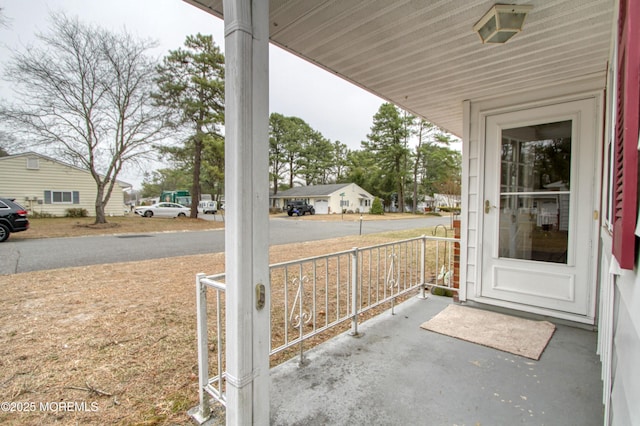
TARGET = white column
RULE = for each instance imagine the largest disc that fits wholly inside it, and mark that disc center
(247, 206)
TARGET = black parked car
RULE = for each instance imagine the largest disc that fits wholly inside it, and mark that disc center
(13, 218)
(299, 208)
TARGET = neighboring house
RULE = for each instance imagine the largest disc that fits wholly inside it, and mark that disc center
(557, 103)
(328, 199)
(45, 185)
(427, 204)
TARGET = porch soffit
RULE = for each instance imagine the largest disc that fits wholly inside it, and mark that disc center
(424, 55)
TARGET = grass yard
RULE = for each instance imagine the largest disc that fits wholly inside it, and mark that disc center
(116, 343)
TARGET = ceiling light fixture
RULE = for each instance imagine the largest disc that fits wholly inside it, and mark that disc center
(501, 22)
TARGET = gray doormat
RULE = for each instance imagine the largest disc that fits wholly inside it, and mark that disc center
(515, 335)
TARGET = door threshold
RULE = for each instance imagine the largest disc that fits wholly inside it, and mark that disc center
(533, 312)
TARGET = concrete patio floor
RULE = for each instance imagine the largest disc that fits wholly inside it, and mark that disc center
(399, 374)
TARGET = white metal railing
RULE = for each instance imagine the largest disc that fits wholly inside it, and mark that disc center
(209, 386)
(312, 295)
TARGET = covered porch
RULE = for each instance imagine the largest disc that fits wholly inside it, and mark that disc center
(573, 64)
(396, 373)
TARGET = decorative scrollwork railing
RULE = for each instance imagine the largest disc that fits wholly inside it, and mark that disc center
(312, 295)
(298, 318)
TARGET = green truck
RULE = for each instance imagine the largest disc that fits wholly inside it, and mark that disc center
(181, 197)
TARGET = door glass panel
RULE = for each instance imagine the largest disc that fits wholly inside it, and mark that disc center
(535, 192)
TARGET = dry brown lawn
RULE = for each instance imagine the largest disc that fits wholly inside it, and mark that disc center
(116, 343)
(76, 227)
(132, 223)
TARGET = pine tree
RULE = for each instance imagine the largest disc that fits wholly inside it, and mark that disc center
(191, 86)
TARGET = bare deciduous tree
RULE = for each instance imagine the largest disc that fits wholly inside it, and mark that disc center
(4, 22)
(84, 97)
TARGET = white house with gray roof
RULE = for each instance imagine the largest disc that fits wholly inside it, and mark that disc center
(328, 199)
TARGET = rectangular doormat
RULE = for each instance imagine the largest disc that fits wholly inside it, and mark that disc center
(515, 335)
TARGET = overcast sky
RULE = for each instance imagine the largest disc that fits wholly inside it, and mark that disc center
(339, 110)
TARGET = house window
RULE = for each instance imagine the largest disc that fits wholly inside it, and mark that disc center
(61, 197)
(344, 203)
(33, 164)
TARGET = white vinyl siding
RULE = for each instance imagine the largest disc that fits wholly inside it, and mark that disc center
(352, 200)
(28, 186)
(619, 339)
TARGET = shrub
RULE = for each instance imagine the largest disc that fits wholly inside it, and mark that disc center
(376, 206)
(442, 292)
(76, 212)
(454, 210)
(40, 215)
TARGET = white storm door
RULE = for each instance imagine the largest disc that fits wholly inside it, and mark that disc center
(538, 211)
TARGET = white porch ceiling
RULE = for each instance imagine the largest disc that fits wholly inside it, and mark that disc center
(424, 56)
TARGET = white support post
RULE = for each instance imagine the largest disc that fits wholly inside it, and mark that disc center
(247, 205)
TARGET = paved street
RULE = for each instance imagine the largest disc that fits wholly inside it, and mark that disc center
(52, 253)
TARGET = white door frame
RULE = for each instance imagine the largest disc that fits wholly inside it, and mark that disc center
(476, 295)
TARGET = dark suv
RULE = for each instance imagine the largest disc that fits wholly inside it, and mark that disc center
(299, 208)
(13, 218)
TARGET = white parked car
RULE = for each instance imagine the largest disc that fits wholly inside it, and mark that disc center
(163, 210)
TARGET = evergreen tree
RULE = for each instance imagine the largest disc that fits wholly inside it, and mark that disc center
(340, 155)
(316, 159)
(278, 134)
(430, 137)
(376, 206)
(441, 169)
(191, 87)
(298, 133)
(158, 181)
(388, 140)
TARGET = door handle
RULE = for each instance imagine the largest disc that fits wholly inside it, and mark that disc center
(487, 207)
